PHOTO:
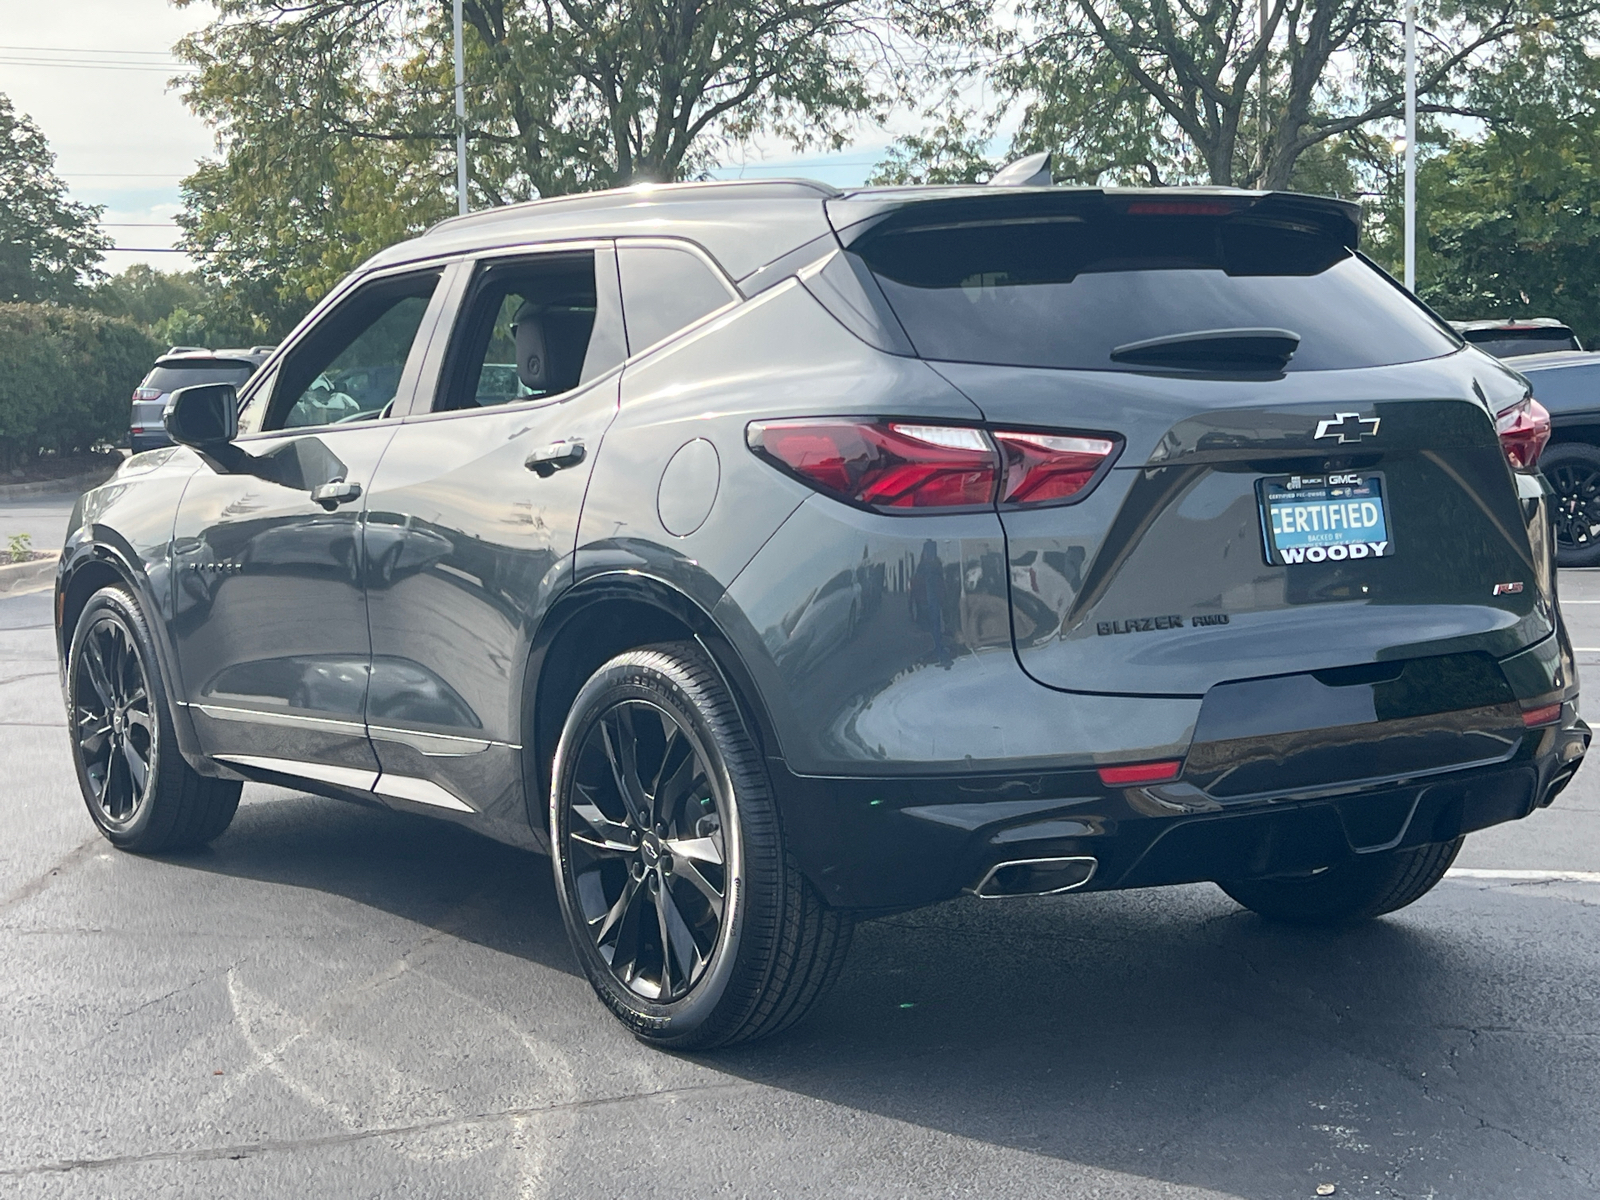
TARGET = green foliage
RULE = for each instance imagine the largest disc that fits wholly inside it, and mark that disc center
(1171, 91)
(49, 246)
(337, 129)
(66, 375)
(19, 546)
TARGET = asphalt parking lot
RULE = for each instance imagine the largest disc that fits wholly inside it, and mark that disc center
(340, 1002)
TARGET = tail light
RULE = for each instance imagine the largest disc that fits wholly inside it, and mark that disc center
(144, 393)
(900, 465)
(1524, 428)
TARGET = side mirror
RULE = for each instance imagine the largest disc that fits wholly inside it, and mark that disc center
(203, 417)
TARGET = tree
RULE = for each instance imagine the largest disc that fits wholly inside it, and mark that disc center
(1511, 222)
(1165, 91)
(50, 247)
(336, 127)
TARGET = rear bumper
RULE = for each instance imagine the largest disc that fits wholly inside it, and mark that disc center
(886, 844)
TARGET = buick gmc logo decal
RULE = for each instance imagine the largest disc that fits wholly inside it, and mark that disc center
(1348, 427)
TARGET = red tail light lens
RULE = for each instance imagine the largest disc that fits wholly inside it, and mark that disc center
(1042, 467)
(1548, 715)
(1524, 429)
(891, 465)
(898, 465)
(144, 393)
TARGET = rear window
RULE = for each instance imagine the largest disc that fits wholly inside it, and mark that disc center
(1567, 387)
(168, 377)
(1508, 344)
(1065, 291)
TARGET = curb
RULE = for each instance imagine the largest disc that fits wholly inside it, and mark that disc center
(75, 485)
(29, 576)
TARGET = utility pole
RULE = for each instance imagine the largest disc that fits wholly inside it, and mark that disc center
(1264, 16)
(1411, 144)
(461, 121)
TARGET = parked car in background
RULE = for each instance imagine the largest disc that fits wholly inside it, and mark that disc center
(184, 366)
(1567, 383)
(1511, 339)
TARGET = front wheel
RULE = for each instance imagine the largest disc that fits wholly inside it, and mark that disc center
(140, 793)
(1355, 890)
(692, 924)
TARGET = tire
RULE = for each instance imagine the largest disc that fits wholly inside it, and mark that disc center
(120, 725)
(1356, 890)
(1573, 470)
(691, 922)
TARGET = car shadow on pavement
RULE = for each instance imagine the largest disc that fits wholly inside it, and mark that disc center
(1165, 1034)
(417, 868)
(1168, 1034)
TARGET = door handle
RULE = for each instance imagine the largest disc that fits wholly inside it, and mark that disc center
(547, 460)
(331, 495)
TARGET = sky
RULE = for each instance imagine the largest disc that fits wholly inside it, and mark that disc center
(95, 76)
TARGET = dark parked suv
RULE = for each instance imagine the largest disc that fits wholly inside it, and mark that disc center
(773, 556)
(1567, 384)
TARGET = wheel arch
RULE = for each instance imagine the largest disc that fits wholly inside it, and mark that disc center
(102, 563)
(593, 622)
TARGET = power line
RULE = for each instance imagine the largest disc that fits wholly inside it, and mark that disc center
(139, 224)
(93, 66)
(78, 50)
(145, 250)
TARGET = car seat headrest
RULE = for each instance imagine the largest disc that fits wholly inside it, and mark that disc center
(533, 361)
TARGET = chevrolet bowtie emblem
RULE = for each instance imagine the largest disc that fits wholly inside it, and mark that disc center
(1348, 427)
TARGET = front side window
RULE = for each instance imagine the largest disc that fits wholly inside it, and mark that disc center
(349, 366)
(528, 332)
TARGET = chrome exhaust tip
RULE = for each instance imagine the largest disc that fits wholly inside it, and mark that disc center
(1035, 877)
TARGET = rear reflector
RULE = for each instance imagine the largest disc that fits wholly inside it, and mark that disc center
(1547, 714)
(1156, 772)
(900, 465)
(1524, 428)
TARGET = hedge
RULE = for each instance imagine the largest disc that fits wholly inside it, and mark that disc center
(66, 378)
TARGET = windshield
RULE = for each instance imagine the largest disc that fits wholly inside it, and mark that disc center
(1065, 291)
(169, 377)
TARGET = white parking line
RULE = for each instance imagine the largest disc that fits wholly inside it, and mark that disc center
(1524, 876)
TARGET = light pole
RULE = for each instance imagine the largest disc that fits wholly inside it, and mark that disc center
(461, 120)
(1410, 144)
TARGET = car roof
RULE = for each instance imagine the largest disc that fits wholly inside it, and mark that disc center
(1554, 359)
(746, 224)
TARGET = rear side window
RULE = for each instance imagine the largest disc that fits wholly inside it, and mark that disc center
(1065, 291)
(169, 377)
(665, 289)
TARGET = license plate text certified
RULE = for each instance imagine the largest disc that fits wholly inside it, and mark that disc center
(1324, 518)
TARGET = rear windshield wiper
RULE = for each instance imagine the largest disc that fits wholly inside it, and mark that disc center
(1216, 349)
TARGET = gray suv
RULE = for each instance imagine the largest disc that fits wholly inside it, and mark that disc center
(180, 367)
(772, 557)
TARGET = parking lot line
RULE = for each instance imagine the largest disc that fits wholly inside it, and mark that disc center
(1524, 876)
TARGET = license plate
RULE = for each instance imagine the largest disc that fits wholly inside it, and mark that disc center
(1324, 518)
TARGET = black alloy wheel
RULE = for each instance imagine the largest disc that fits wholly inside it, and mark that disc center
(650, 859)
(111, 721)
(692, 923)
(1573, 470)
(140, 792)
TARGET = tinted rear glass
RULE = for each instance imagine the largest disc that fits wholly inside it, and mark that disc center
(1503, 344)
(169, 376)
(1065, 292)
(1562, 388)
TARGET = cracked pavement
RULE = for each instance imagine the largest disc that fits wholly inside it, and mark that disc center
(344, 1002)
